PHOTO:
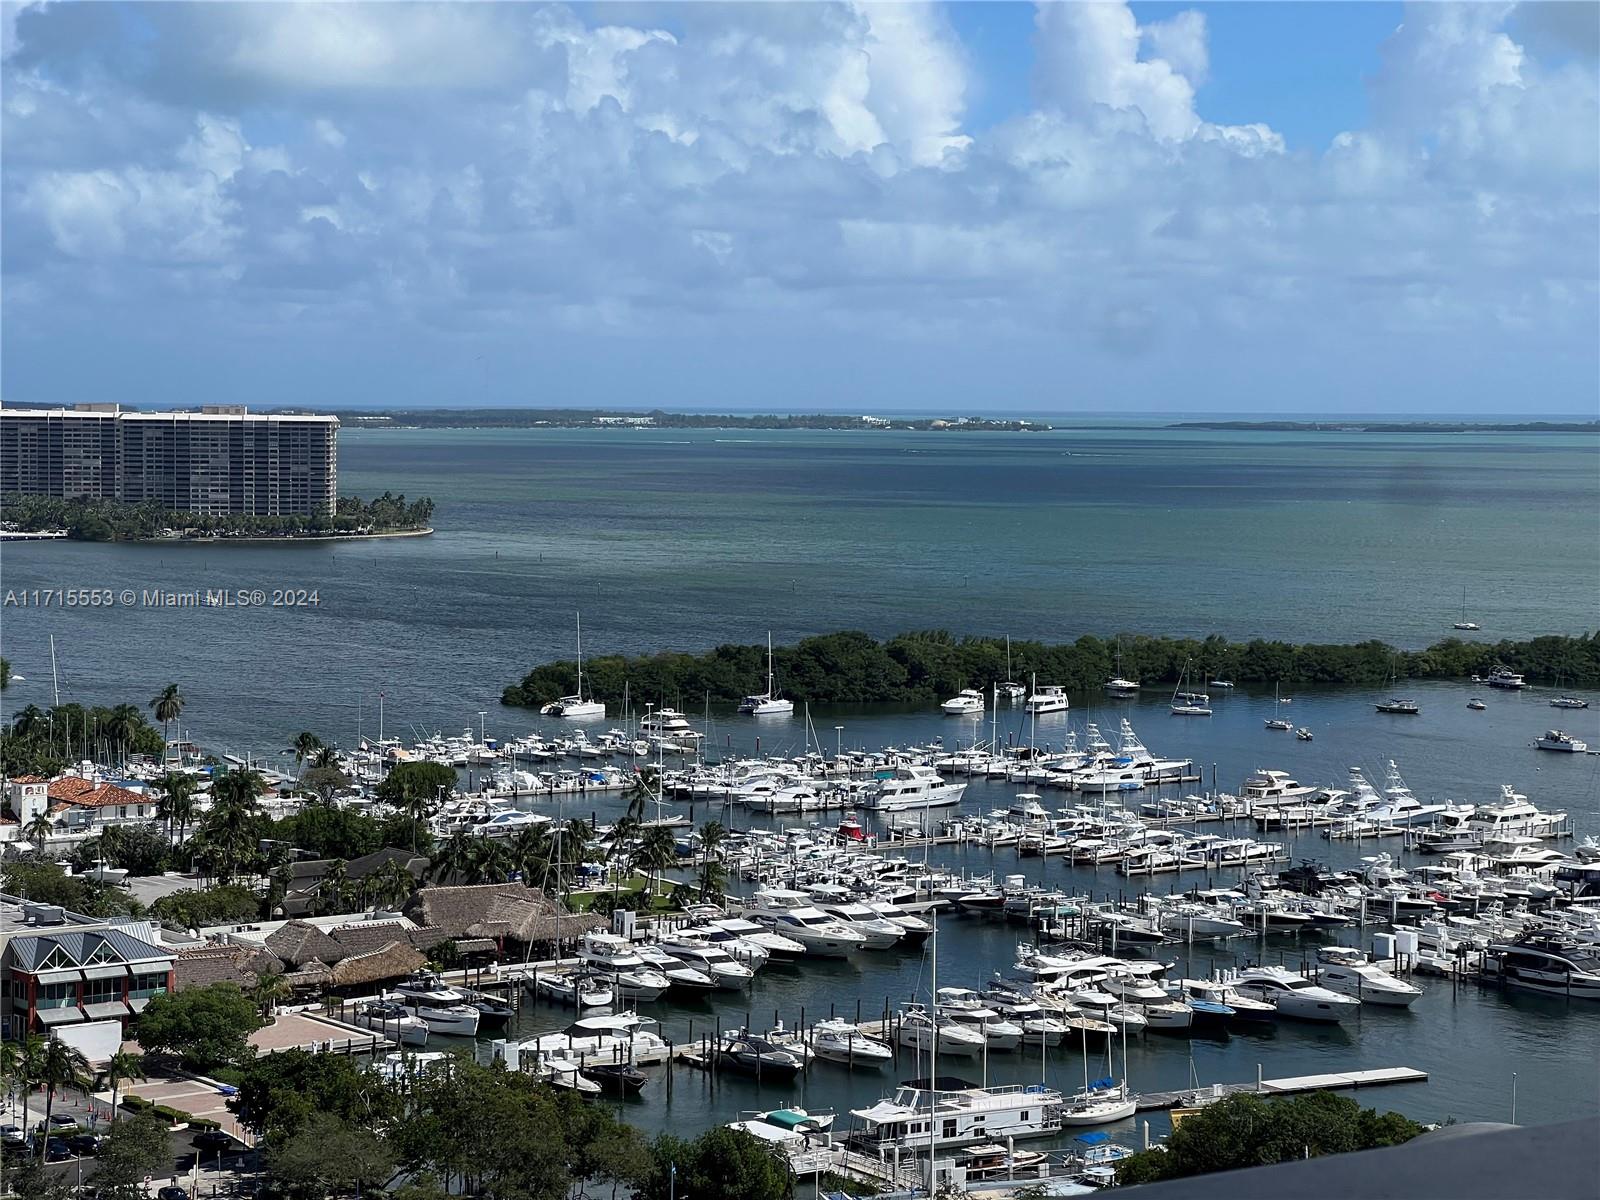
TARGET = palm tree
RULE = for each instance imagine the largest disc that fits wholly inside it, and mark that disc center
(24, 1069)
(168, 707)
(530, 855)
(641, 793)
(713, 881)
(712, 835)
(176, 802)
(452, 858)
(39, 829)
(228, 833)
(390, 886)
(306, 744)
(333, 888)
(655, 853)
(271, 990)
(327, 758)
(59, 1065)
(121, 1067)
(121, 725)
(488, 862)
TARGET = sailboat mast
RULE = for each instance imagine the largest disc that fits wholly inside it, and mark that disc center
(580, 656)
(769, 664)
(933, 1044)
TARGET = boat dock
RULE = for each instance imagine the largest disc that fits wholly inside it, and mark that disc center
(1337, 1081)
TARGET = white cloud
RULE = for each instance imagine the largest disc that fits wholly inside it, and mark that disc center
(750, 179)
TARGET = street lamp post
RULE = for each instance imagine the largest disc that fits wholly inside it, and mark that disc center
(838, 742)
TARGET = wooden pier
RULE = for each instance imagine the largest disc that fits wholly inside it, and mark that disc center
(1337, 1081)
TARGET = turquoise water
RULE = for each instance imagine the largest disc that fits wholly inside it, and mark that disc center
(685, 539)
(673, 538)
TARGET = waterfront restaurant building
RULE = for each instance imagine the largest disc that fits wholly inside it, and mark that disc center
(220, 460)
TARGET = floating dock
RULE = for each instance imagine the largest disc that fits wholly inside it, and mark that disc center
(1336, 1081)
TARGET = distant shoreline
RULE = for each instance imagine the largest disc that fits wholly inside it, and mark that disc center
(1394, 426)
(285, 537)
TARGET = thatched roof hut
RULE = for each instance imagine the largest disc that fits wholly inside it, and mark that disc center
(299, 942)
(499, 911)
(313, 974)
(395, 960)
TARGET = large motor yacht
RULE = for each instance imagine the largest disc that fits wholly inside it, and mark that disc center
(912, 787)
(794, 916)
(1051, 698)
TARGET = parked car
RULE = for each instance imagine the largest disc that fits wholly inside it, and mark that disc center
(86, 1143)
(212, 1141)
(63, 1121)
(12, 1135)
(56, 1149)
(172, 1192)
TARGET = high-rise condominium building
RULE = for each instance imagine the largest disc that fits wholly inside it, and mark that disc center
(221, 459)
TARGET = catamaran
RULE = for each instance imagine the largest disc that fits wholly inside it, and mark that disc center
(575, 707)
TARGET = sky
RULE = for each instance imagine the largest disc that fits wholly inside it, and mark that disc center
(1275, 208)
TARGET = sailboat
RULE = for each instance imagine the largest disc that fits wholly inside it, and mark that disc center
(1010, 689)
(1117, 685)
(768, 703)
(576, 708)
(1465, 625)
(1189, 704)
(1276, 721)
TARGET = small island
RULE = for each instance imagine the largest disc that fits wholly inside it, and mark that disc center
(85, 520)
(624, 419)
(917, 668)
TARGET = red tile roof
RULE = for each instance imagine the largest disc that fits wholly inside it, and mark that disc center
(70, 787)
(108, 794)
(29, 779)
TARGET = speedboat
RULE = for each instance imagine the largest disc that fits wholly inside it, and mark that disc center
(562, 1072)
(919, 1031)
(965, 703)
(742, 930)
(684, 976)
(839, 1041)
(713, 960)
(1211, 999)
(792, 914)
(1304, 734)
(759, 1057)
(877, 931)
(576, 990)
(1346, 969)
(458, 1020)
(967, 1007)
(1569, 702)
(1476, 705)
(1548, 961)
(616, 1077)
(394, 1021)
(1294, 995)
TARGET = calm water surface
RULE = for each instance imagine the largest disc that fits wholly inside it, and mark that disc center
(684, 539)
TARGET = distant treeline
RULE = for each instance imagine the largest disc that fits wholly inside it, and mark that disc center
(853, 668)
(1400, 426)
(116, 521)
(523, 418)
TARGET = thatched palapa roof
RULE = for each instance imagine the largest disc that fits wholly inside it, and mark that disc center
(394, 961)
(299, 942)
(314, 974)
(499, 910)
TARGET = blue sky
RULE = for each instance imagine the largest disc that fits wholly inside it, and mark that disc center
(1264, 207)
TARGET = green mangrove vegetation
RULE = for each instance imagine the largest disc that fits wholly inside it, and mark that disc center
(88, 520)
(853, 667)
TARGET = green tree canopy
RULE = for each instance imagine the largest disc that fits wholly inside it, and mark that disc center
(205, 1027)
(720, 1162)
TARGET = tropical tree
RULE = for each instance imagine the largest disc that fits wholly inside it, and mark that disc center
(327, 758)
(271, 989)
(655, 853)
(58, 1066)
(333, 889)
(306, 745)
(228, 834)
(176, 803)
(119, 1069)
(121, 725)
(453, 858)
(167, 707)
(390, 886)
(39, 829)
(712, 835)
(21, 1064)
(414, 788)
(529, 855)
(642, 792)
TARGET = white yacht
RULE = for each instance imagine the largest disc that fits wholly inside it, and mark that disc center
(576, 990)
(1293, 995)
(1513, 816)
(768, 703)
(877, 931)
(679, 974)
(1554, 739)
(1266, 788)
(919, 1030)
(576, 707)
(1548, 961)
(1118, 686)
(712, 959)
(1346, 969)
(1051, 698)
(839, 1041)
(969, 1008)
(793, 915)
(393, 1020)
(670, 729)
(965, 703)
(1504, 677)
(964, 1114)
(607, 1037)
(768, 941)
(1569, 702)
(912, 787)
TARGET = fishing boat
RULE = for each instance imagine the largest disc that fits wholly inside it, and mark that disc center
(563, 1072)
(1554, 739)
